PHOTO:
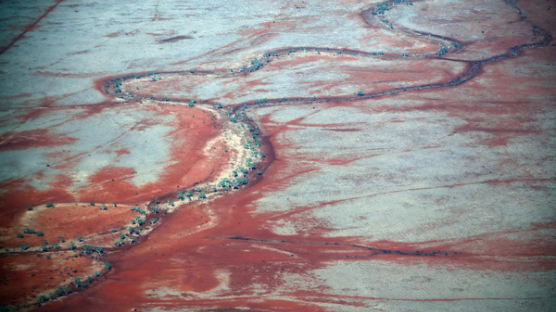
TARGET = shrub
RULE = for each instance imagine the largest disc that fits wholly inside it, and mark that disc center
(60, 291)
(442, 51)
(42, 299)
(139, 210)
(89, 249)
(261, 101)
(78, 283)
(255, 65)
(29, 231)
(225, 183)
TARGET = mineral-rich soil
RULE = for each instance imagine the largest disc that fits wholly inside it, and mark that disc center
(278, 156)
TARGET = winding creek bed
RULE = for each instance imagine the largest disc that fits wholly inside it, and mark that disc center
(296, 178)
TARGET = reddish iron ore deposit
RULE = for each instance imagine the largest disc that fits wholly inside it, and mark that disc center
(310, 177)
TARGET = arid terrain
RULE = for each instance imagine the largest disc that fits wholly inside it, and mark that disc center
(266, 155)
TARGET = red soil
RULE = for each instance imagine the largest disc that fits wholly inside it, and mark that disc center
(36, 273)
(68, 221)
(32, 138)
(224, 255)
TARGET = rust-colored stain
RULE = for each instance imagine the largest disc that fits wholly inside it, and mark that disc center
(225, 253)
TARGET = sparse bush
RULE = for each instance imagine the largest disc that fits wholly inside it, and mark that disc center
(255, 65)
(261, 101)
(78, 283)
(139, 210)
(442, 51)
(60, 291)
(42, 299)
(225, 183)
(89, 249)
